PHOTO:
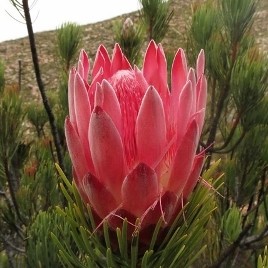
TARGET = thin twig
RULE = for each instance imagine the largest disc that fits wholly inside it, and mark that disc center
(231, 248)
(12, 190)
(255, 238)
(20, 250)
(220, 105)
(230, 136)
(40, 83)
(3, 193)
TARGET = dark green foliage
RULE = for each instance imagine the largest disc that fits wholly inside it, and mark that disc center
(237, 17)
(37, 116)
(249, 81)
(130, 38)
(3, 260)
(2, 77)
(13, 152)
(248, 165)
(231, 224)
(258, 117)
(40, 248)
(263, 259)
(204, 16)
(69, 37)
(28, 180)
(236, 126)
(156, 17)
(11, 118)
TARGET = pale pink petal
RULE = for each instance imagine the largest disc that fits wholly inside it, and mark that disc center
(162, 63)
(106, 98)
(184, 110)
(80, 69)
(155, 69)
(201, 89)
(83, 65)
(191, 77)
(150, 128)
(76, 150)
(98, 98)
(183, 160)
(139, 190)
(179, 72)
(99, 197)
(150, 61)
(162, 73)
(82, 109)
(107, 151)
(92, 88)
(200, 64)
(119, 61)
(199, 118)
(194, 175)
(71, 96)
(103, 61)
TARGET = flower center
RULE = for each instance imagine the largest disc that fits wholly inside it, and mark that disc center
(129, 93)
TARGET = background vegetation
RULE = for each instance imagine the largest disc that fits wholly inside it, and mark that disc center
(34, 230)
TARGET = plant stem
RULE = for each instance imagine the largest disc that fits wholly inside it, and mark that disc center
(215, 122)
(220, 105)
(40, 83)
(231, 248)
(10, 182)
(230, 136)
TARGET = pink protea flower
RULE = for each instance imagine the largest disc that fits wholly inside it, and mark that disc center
(133, 141)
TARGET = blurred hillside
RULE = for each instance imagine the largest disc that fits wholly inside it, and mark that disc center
(11, 52)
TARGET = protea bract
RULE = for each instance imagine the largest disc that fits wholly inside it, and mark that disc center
(132, 138)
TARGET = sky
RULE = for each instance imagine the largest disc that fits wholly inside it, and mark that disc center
(51, 14)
